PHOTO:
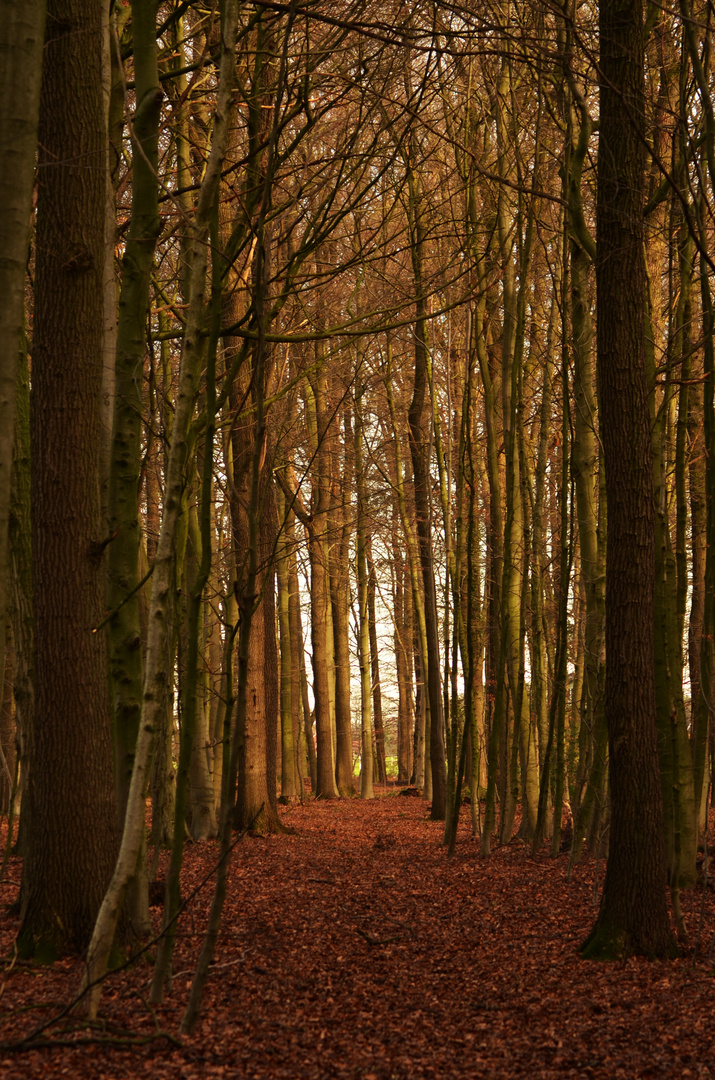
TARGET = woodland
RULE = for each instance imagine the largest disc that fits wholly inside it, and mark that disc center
(357, 418)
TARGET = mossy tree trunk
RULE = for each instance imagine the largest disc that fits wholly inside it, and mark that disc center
(156, 676)
(123, 629)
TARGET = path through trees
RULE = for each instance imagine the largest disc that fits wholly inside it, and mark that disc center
(356, 948)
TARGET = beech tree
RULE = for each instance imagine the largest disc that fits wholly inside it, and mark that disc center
(21, 39)
(68, 865)
(633, 916)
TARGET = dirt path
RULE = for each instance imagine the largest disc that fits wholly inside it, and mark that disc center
(354, 948)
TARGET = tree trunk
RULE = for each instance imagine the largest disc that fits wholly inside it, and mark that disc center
(21, 606)
(155, 679)
(366, 758)
(633, 916)
(7, 722)
(341, 528)
(321, 623)
(123, 631)
(375, 664)
(203, 816)
(302, 718)
(21, 39)
(69, 864)
(402, 595)
(289, 779)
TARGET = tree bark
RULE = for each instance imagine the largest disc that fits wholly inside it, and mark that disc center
(124, 632)
(156, 678)
(69, 864)
(375, 663)
(366, 759)
(21, 38)
(633, 916)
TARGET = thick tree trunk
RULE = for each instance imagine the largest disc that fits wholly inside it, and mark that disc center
(69, 864)
(633, 916)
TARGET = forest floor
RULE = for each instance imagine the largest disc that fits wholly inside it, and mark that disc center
(354, 948)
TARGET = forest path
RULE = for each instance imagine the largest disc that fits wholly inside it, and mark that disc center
(354, 948)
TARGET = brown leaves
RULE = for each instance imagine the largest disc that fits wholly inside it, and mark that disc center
(355, 948)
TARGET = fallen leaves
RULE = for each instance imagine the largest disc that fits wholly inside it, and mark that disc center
(356, 949)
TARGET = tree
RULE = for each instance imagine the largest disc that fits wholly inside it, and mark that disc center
(633, 915)
(21, 35)
(73, 839)
(156, 678)
(124, 631)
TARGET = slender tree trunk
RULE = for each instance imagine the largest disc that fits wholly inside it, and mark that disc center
(366, 761)
(123, 630)
(21, 40)
(403, 636)
(21, 606)
(288, 687)
(340, 531)
(155, 671)
(422, 702)
(301, 706)
(203, 816)
(375, 664)
(420, 441)
(321, 627)
(7, 722)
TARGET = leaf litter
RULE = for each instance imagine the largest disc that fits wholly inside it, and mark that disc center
(354, 948)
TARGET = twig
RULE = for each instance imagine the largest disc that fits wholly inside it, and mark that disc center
(90, 1040)
(212, 967)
